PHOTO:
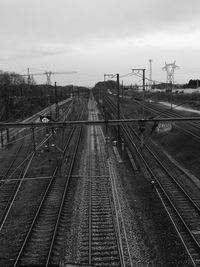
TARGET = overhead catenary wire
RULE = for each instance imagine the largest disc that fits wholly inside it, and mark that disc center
(139, 75)
(21, 138)
(63, 124)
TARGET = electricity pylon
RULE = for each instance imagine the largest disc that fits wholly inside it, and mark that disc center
(150, 74)
(170, 67)
(47, 73)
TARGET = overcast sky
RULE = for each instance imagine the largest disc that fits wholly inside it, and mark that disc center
(94, 37)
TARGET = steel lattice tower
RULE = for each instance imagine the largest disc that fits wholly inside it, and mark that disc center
(150, 73)
(170, 67)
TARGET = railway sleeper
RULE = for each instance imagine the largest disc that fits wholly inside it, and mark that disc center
(101, 208)
(103, 248)
(105, 260)
(106, 253)
(100, 227)
(98, 213)
(102, 243)
(104, 238)
(100, 203)
(100, 238)
(103, 228)
(45, 229)
(102, 220)
(101, 212)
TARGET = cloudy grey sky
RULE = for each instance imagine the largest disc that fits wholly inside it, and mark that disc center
(94, 37)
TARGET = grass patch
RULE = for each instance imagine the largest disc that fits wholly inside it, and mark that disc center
(182, 147)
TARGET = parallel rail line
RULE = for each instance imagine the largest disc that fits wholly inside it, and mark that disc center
(193, 128)
(183, 210)
(40, 243)
(103, 244)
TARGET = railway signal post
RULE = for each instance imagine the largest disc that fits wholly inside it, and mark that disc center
(142, 129)
(46, 119)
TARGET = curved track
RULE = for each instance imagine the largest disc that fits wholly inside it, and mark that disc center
(180, 201)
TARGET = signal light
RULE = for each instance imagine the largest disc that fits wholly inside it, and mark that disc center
(45, 119)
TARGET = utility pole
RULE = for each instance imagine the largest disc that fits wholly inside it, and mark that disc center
(122, 90)
(28, 77)
(109, 76)
(56, 102)
(142, 125)
(6, 97)
(72, 92)
(104, 87)
(150, 74)
(49, 104)
(143, 87)
(118, 109)
(143, 79)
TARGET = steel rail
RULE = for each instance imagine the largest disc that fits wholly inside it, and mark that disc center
(20, 253)
(117, 203)
(164, 167)
(153, 175)
(35, 116)
(68, 176)
(170, 112)
(26, 162)
(100, 207)
(178, 126)
(18, 258)
(128, 134)
(90, 206)
(114, 209)
(117, 223)
(16, 192)
(63, 197)
(5, 175)
(175, 226)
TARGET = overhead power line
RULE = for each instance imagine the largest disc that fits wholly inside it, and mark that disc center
(109, 122)
(47, 73)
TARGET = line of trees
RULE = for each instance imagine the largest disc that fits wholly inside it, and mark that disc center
(19, 99)
(192, 84)
(11, 78)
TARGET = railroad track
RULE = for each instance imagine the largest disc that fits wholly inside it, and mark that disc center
(14, 172)
(181, 204)
(13, 187)
(102, 242)
(191, 128)
(14, 133)
(42, 242)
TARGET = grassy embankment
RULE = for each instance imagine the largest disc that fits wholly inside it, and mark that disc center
(181, 146)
